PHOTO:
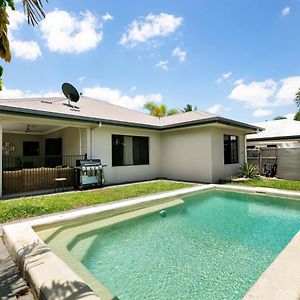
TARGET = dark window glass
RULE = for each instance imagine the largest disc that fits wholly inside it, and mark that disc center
(130, 150)
(31, 148)
(117, 150)
(230, 149)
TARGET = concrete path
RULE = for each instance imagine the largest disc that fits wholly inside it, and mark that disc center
(12, 285)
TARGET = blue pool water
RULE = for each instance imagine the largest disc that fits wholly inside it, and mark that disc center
(214, 246)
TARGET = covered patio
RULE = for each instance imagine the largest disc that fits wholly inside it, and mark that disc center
(39, 155)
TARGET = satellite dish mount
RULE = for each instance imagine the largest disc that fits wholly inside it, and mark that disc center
(71, 94)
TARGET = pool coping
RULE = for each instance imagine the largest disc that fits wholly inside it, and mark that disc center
(44, 271)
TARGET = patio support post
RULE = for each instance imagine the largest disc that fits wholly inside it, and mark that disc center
(1, 142)
(89, 142)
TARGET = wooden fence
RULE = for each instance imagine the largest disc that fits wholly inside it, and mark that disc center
(287, 161)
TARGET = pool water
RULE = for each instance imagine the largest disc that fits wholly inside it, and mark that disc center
(214, 246)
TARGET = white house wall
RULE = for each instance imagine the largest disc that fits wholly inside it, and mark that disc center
(186, 154)
(102, 148)
(219, 169)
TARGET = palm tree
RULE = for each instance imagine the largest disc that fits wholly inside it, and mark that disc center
(188, 107)
(279, 118)
(297, 116)
(159, 110)
(35, 13)
(297, 99)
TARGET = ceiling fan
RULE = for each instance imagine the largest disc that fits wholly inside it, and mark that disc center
(28, 129)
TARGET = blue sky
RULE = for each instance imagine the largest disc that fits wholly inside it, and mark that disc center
(239, 59)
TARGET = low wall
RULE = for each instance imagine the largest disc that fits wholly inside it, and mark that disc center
(36, 179)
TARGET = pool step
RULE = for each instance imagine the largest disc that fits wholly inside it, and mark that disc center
(12, 285)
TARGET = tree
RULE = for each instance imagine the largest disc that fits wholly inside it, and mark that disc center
(159, 110)
(34, 12)
(297, 116)
(279, 118)
(188, 107)
(297, 99)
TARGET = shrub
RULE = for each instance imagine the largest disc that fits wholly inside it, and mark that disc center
(249, 170)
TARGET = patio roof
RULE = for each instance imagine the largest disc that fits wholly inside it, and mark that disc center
(92, 110)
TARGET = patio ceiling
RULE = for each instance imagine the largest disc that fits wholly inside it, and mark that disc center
(22, 128)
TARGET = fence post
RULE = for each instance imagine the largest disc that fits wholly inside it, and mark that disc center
(260, 160)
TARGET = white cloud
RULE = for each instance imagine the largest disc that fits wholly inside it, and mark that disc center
(217, 108)
(82, 78)
(133, 88)
(290, 116)
(286, 93)
(17, 93)
(262, 112)
(65, 33)
(150, 27)
(27, 50)
(107, 17)
(16, 19)
(163, 65)
(262, 96)
(255, 94)
(227, 75)
(179, 53)
(286, 11)
(115, 96)
(239, 81)
(223, 77)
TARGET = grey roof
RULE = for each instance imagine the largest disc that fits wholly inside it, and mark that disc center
(277, 129)
(92, 110)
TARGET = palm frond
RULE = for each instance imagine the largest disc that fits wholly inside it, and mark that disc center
(34, 11)
(172, 111)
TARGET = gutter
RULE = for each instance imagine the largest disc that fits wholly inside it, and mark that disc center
(275, 138)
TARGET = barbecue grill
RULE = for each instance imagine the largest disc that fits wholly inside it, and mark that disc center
(89, 173)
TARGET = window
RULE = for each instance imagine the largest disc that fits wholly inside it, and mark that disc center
(31, 148)
(130, 150)
(230, 149)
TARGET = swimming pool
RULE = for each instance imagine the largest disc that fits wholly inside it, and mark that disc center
(211, 245)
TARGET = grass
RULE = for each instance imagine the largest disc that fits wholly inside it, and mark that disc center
(37, 206)
(271, 183)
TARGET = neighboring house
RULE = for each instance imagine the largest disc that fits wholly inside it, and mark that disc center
(277, 134)
(45, 132)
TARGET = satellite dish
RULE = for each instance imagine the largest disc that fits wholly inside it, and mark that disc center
(70, 92)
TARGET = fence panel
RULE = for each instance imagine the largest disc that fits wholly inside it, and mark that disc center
(289, 163)
(286, 159)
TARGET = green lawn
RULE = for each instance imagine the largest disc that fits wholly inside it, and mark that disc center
(37, 206)
(271, 183)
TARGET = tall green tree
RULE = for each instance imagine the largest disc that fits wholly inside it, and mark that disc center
(159, 110)
(34, 12)
(297, 116)
(188, 107)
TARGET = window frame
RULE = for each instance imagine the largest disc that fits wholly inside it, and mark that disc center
(232, 158)
(122, 137)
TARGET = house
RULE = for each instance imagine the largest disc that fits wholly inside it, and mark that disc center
(40, 134)
(277, 134)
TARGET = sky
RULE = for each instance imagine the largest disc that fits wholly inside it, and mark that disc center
(238, 59)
